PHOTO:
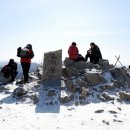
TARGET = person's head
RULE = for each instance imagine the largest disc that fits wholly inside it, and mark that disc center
(92, 44)
(74, 44)
(11, 61)
(129, 66)
(29, 46)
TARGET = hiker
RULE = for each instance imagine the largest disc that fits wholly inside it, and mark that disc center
(73, 52)
(26, 55)
(93, 53)
(10, 70)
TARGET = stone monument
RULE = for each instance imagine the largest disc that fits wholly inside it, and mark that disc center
(52, 69)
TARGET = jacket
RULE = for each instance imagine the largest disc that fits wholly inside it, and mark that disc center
(73, 52)
(30, 56)
(94, 56)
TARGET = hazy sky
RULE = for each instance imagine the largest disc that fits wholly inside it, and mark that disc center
(54, 24)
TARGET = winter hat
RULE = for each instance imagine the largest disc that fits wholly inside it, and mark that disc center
(29, 46)
(92, 43)
(11, 61)
(74, 43)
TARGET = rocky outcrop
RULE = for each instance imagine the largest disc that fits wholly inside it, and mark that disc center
(94, 79)
(120, 74)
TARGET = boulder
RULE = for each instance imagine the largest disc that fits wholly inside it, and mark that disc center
(104, 64)
(94, 79)
(20, 91)
(120, 74)
(124, 96)
(68, 62)
(70, 72)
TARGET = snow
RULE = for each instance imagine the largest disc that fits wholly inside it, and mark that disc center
(16, 115)
(24, 115)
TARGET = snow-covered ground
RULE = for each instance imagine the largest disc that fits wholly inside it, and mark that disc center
(16, 115)
(50, 114)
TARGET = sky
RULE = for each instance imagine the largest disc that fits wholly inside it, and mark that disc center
(50, 25)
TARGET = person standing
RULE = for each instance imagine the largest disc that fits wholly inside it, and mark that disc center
(26, 55)
(93, 53)
(73, 52)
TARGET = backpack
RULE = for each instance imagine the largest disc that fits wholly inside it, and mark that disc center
(24, 53)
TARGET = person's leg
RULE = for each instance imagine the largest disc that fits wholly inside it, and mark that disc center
(27, 70)
(24, 68)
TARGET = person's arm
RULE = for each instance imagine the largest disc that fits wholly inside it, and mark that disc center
(87, 55)
(31, 54)
(99, 55)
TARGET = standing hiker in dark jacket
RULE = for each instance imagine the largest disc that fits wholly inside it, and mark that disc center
(25, 60)
(93, 53)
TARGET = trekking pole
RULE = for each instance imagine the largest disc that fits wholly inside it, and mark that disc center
(117, 60)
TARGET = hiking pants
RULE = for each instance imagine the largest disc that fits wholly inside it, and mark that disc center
(25, 67)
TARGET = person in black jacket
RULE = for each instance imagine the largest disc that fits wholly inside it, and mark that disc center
(93, 53)
(10, 70)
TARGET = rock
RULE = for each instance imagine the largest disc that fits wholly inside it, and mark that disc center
(35, 98)
(114, 120)
(82, 65)
(52, 68)
(120, 74)
(106, 96)
(81, 83)
(65, 99)
(68, 62)
(119, 108)
(78, 65)
(99, 111)
(4, 80)
(94, 79)
(3, 88)
(84, 93)
(113, 112)
(104, 64)
(70, 72)
(20, 91)
(106, 122)
(71, 87)
(51, 93)
(107, 87)
(37, 86)
(124, 96)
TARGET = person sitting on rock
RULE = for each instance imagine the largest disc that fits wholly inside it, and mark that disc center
(10, 70)
(93, 53)
(73, 52)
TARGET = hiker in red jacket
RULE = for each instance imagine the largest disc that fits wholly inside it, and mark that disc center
(73, 52)
(26, 55)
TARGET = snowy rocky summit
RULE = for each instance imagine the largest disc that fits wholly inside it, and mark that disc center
(91, 96)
